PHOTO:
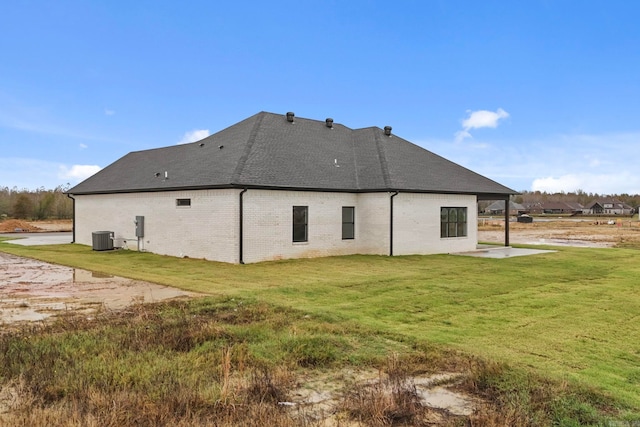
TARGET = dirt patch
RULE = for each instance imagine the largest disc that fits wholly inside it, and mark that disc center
(581, 232)
(22, 226)
(32, 290)
(53, 225)
(321, 396)
(17, 226)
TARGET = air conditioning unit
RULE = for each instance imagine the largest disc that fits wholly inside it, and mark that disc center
(102, 240)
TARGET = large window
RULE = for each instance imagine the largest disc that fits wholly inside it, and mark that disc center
(300, 223)
(348, 222)
(453, 222)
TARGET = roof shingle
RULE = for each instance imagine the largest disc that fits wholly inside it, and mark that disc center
(267, 151)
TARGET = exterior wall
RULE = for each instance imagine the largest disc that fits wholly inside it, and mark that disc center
(372, 228)
(416, 224)
(209, 228)
(268, 226)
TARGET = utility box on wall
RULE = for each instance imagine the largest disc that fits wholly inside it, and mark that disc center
(139, 226)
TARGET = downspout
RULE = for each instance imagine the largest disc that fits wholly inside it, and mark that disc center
(73, 219)
(506, 222)
(395, 193)
(241, 226)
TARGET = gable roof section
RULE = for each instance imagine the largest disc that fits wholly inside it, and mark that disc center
(498, 205)
(267, 151)
(617, 204)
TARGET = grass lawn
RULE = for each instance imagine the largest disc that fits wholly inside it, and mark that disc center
(570, 315)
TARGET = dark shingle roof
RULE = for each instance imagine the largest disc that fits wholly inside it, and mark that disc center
(267, 151)
(498, 205)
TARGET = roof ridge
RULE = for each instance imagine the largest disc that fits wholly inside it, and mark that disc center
(356, 171)
(383, 158)
(243, 159)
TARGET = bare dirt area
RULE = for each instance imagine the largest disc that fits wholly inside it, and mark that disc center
(326, 396)
(32, 290)
(22, 226)
(596, 233)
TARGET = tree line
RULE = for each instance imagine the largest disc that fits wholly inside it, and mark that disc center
(54, 204)
(578, 196)
(35, 204)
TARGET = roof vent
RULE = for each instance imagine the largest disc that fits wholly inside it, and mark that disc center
(387, 130)
(290, 116)
(329, 122)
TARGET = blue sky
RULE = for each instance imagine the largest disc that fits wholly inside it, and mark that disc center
(537, 95)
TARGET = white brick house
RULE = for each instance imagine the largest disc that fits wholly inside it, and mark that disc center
(277, 187)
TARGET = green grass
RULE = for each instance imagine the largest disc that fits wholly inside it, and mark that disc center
(572, 315)
(221, 361)
(229, 361)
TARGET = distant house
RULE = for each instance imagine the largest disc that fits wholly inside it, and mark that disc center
(557, 208)
(497, 208)
(576, 208)
(277, 186)
(561, 208)
(608, 206)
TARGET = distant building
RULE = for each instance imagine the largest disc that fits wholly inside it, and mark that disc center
(554, 208)
(497, 208)
(608, 206)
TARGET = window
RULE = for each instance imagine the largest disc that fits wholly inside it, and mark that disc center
(300, 223)
(183, 202)
(453, 222)
(348, 222)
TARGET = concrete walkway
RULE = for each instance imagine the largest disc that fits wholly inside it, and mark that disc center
(33, 239)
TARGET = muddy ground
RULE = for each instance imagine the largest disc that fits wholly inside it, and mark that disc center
(33, 290)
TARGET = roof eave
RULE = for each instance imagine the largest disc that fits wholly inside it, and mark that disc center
(481, 195)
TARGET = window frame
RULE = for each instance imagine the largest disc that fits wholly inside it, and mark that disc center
(349, 226)
(454, 222)
(183, 203)
(300, 224)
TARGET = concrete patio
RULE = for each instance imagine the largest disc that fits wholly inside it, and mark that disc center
(494, 251)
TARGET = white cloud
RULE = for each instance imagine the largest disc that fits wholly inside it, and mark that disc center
(108, 112)
(480, 119)
(606, 183)
(595, 163)
(484, 119)
(77, 173)
(462, 134)
(29, 173)
(194, 135)
(83, 146)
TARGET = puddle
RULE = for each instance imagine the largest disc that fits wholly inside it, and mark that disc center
(32, 290)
